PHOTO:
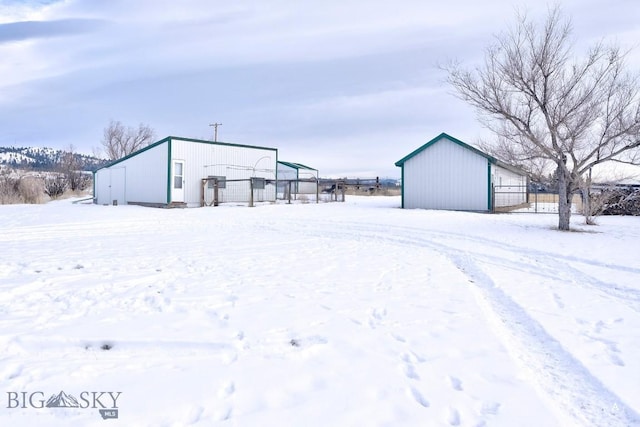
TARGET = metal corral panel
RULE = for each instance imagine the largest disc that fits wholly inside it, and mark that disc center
(446, 175)
(510, 187)
(204, 159)
(138, 178)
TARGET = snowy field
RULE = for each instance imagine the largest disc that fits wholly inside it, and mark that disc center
(342, 314)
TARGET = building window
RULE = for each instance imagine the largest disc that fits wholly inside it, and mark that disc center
(222, 181)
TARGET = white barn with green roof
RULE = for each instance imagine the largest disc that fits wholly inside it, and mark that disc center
(170, 173)
(446, 173)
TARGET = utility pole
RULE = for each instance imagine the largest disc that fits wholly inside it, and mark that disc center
(215, 130)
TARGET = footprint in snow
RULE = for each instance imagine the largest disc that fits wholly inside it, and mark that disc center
(398, 338)
(489, 408)
(412, 357)
(194, 415)
(453, 417)
(598, 326)
(226, 390)
(410, 371)
(376, 315)
(558, 300)
(13, 372)
(224, 408)
(223, 413)
(455, 383)
(418, 397)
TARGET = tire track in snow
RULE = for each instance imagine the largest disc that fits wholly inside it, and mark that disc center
(485, 241)
(569, 385)
(544, 263)
(564, 379)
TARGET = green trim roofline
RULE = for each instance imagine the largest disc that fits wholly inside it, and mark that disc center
(169, 138)
(450, 138)
(296, 165)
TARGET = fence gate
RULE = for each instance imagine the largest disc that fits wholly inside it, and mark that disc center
(518, 199)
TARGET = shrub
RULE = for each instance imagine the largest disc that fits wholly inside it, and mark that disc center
(30, 189)
(54, 187)
(19, 189)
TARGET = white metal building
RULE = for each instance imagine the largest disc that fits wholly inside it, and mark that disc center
(446, 173)
(289, 172)
(170, 172)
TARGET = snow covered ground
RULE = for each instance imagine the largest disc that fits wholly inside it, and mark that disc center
(340, 314)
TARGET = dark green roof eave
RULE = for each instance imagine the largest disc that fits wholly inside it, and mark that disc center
(291, 165)
(169, 138)
(296, 165)
(450, 138)
(135, 153)
(228, 144)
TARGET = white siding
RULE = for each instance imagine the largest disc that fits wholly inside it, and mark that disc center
(510, 187)
(204, 159)
(446, 175)
(140, 178)
(307, 187)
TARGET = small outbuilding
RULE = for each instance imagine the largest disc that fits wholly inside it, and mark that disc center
(296, 178)
(446, 173)
(174, 172)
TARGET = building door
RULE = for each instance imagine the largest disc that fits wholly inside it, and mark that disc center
(177, 183)
(117, 184)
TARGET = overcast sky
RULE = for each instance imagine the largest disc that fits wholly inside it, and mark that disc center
(346, 86)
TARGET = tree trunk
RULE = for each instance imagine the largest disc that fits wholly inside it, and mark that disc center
(564, 202)
(586, 206)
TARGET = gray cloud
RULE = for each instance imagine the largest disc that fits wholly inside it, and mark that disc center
(355, 77)
(16, 31)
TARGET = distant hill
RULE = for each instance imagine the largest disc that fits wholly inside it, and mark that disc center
(44, 159)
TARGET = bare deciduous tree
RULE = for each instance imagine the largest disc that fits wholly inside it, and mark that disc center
(545, 104)
(537, 168)
(71, 169)
(119, 141)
